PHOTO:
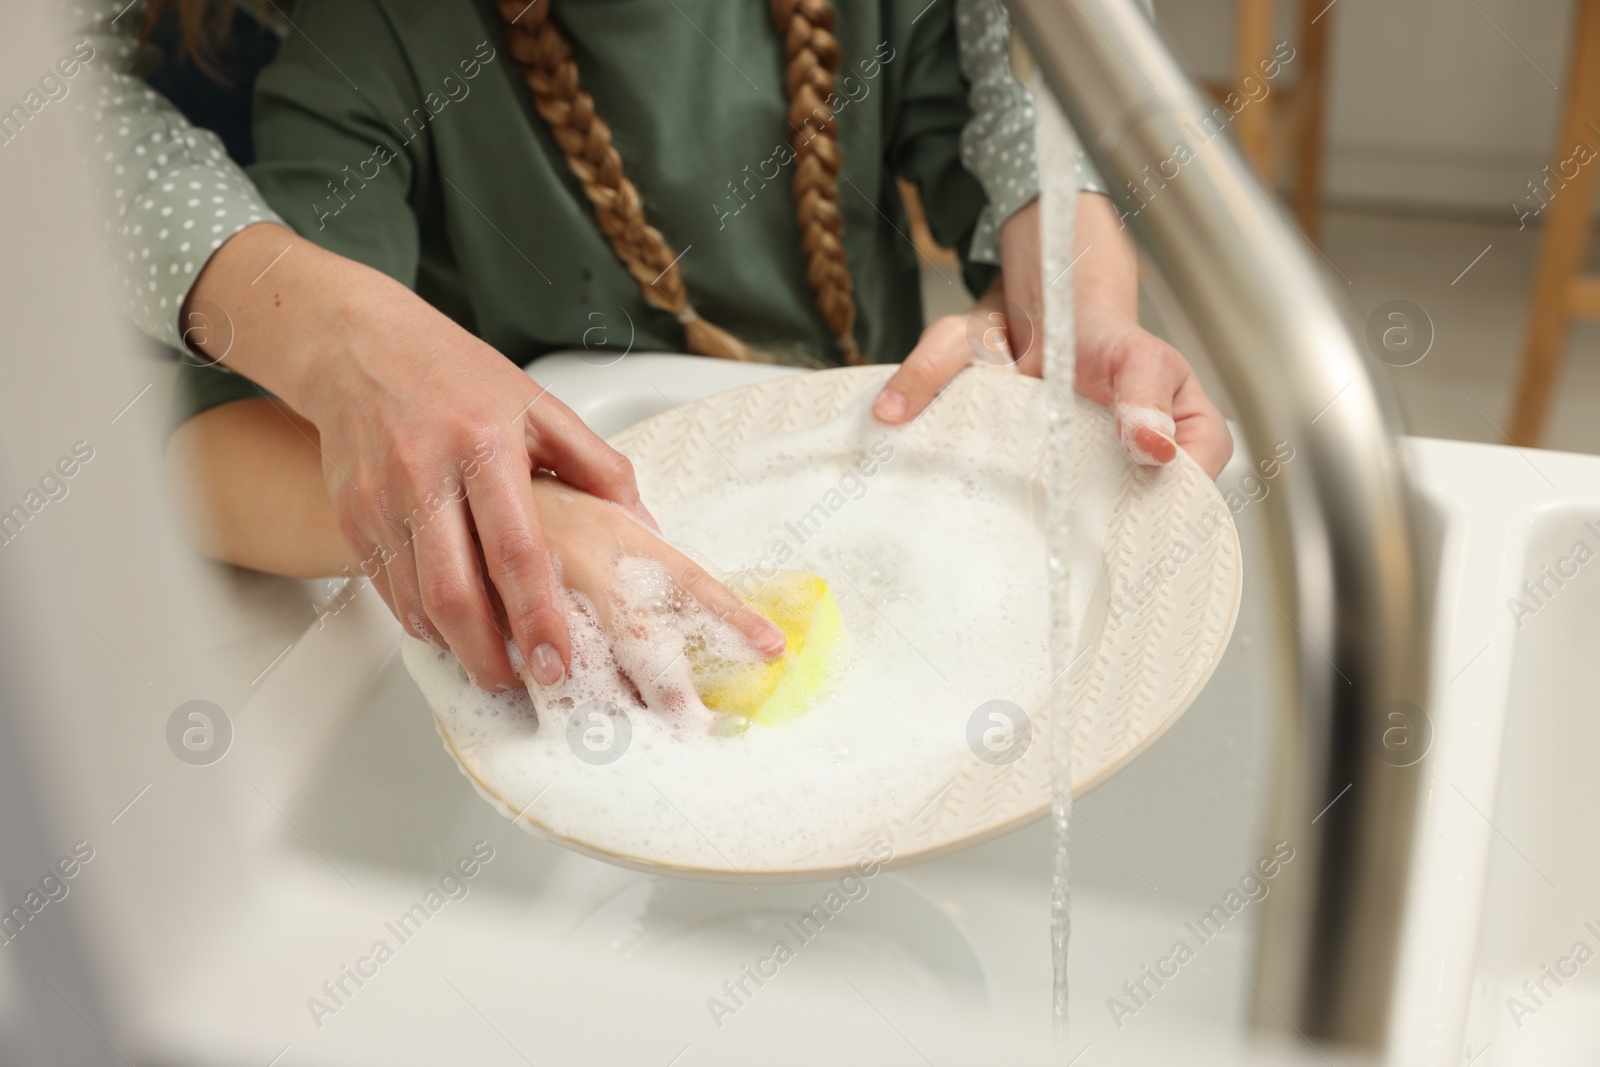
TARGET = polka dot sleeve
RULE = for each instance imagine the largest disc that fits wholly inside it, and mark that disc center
(170, 195)
(997, 143)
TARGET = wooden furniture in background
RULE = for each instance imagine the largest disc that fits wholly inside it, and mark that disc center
(1290, 118)
(921, 236)
(1561, 290)
(1290, 115)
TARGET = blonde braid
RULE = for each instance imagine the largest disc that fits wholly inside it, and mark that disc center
(541, 49)
(813, 55)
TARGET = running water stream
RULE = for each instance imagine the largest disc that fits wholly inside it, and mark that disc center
(1057, 152)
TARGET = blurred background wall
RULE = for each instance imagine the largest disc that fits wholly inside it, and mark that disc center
(1434, 105)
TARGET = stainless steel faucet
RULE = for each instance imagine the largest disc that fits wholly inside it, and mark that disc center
(1343, 539)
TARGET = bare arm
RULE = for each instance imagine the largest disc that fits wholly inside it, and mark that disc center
(1158, 402)
(255, 474)
(423, 439)
(249, 478)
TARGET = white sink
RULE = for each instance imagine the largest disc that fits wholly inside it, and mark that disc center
(1536, 979)
(552, 957)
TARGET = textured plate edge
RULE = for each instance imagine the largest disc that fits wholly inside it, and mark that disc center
(732, 874)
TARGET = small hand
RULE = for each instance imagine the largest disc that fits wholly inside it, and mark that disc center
(589, 535)
(1152, 392)
(432, 448)
(948, 345)
(1148, 385)
(1150, 388)
(429, 439)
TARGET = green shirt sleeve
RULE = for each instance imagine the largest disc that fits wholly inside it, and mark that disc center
(346, 182)
(343, 144)
(202, 387)
(925, 143)
(997, 143)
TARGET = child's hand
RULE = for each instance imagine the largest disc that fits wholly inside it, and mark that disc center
(587, 535)
(1151, 389)
(425, 436)
(948, 345)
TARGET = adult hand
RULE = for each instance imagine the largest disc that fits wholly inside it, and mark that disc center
(429, 441)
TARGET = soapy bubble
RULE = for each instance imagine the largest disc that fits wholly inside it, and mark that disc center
(890, 722)
(199, 732)
(999, 732)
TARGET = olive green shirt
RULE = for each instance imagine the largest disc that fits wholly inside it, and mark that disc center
(400, 133)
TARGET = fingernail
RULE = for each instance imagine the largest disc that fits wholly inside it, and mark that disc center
(890, 406)
(770, 639)
(1148, 434)
(1158, 446)
(649, 519)
(545, 665)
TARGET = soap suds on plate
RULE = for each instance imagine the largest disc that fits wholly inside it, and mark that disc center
(935, 555)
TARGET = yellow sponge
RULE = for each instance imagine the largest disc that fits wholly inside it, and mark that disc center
(801, 605)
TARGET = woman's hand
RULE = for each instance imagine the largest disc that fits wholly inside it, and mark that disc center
(428, 441)
(1152, 391)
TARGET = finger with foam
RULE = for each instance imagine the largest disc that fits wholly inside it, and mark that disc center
(769, 692)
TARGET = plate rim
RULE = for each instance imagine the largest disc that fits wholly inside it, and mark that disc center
(953, 844)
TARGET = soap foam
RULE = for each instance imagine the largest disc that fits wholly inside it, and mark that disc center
(936, 558)
(1131, 418)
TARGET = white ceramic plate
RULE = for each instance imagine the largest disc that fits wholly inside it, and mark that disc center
(1162, 609)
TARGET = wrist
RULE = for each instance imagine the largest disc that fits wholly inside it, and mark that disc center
(336, 332)
(1096, 325)
(285, 307)
(368, 341)
(1107, 277)
(226, 318)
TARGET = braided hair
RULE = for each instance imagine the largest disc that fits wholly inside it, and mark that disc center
(542, 51)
